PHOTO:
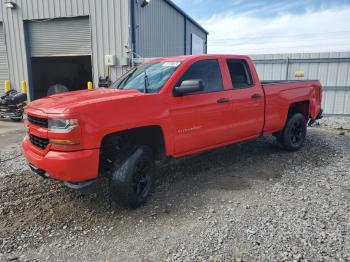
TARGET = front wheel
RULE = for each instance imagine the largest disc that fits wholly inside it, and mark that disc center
(132, 178)
(293, 135)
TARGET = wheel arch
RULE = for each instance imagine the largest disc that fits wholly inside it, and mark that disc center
(302, 107)
(151, 135)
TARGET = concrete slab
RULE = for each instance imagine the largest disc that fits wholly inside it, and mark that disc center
(7, 126)
(11, 134)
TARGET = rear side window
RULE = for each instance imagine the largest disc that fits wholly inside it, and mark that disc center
(240, 73)
(209, 72)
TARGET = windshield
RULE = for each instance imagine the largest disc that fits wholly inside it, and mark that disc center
(148, 78)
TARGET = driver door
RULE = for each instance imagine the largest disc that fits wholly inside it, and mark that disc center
(201, 120)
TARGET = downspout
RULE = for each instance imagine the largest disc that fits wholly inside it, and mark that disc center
(133, 30)
(185, 35)
(206, 43)
(287, 68)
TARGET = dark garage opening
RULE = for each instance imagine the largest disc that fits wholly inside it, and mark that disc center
(71, 71)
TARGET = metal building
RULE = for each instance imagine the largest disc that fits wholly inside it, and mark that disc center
(71, 42)
(332, 69)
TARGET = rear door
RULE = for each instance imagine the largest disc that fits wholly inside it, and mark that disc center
(248, 102)
(201, 120)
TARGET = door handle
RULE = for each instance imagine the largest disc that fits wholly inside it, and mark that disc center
(223, 100)
(256, 96)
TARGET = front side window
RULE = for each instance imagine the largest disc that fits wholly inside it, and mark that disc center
(240, 74)
(148, 78)
(208, 71)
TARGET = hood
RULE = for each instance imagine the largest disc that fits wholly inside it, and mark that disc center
(67, 102)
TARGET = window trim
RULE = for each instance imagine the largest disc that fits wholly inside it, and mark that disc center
(202, 92)
(246, 69)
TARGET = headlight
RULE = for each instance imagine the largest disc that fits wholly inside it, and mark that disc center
(62, 125)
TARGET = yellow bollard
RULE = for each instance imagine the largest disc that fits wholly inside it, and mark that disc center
(24, 87)
(90, 86)
(7, 86)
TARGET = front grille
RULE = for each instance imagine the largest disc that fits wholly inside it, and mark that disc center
(38, 141)
(38, 121)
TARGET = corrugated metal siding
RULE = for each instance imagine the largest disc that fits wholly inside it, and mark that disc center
(43, 9)
(109, 31)
(60, 37)
(333, 74)
(275, 71)
(15, 41)
(160, 30)
(4, 74)
(1, 16)
(193, 29)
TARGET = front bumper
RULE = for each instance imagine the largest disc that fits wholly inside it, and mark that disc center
(72, 167)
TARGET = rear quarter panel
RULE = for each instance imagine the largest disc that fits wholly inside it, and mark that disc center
(279, 98)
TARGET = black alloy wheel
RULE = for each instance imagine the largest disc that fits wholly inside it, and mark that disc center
(132, 177)
(293, 135)
(142, 179)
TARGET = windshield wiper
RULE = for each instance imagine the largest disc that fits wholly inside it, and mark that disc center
(130, 74)
(146, 82)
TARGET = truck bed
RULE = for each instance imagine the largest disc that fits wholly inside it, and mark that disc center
(278, 92)
(274, 82)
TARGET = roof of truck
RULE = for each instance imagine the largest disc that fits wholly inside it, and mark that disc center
(190, 57)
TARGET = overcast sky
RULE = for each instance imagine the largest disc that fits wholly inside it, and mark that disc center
(265, 26)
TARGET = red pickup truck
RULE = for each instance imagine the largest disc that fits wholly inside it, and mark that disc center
(168, 107)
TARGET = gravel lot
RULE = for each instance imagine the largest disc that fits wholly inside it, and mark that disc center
(247, 202)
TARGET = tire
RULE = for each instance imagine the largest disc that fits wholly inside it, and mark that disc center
(293, 135)
(132, 178)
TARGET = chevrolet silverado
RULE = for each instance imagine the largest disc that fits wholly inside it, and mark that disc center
(166, 108)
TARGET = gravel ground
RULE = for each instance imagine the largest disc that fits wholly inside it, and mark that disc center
(247, 202)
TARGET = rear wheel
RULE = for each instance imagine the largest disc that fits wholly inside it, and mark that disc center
(293, 135)
(132, 178)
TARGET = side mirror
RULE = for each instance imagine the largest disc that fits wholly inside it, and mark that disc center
(189, 86)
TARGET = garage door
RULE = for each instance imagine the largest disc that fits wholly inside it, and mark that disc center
(60, 37)
(4, 72)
